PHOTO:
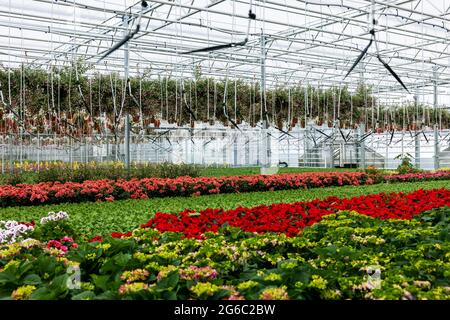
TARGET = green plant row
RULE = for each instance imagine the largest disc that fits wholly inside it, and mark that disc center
(100, 218)
(345, 256)
(65, 172)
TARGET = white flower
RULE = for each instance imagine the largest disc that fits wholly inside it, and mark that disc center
(12, 231)
(54, 216)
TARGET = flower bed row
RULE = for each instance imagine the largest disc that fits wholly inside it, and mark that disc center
(108, 190)
(421, 176)
(292, 218)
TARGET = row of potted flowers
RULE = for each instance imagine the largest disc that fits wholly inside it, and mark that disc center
(108, 190)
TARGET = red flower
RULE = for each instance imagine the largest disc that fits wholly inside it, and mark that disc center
(292, 218)
(120, 235)
(96, 239)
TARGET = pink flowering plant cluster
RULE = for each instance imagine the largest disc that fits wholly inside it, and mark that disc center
(62, 246)
(198, 273)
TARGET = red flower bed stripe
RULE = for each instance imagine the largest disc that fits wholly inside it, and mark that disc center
(109, 190)
(291, 218)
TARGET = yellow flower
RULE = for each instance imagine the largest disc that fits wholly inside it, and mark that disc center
(91, 256)
(134, 275)
(318, 282)
(87, 286)
(165, 272)
(273, 277)
(11, 250)
(133, 287)
(103, 246)
(274, 294)
(29, 243)
(23, 293)
(154, 266)
(247, 285)
(204, 288)
(141, 256)
(331, 294)
(67, 262)
(12, 264)
(54, 251)
(288, 265)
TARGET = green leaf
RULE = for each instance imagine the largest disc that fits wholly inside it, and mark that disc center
(108, 295)
(102, 282)
(7, 277)
(122, 259)
(32, 279)
(43, 293)
(45, 264)
(169, 295)
(115, 264)
(59, 284)
(169, 282)
(86, 295)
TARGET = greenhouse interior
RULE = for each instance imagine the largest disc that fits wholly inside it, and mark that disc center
(287, 120)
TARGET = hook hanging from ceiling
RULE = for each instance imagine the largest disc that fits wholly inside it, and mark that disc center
(366, 49)
(129, 36)
(251, 16)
